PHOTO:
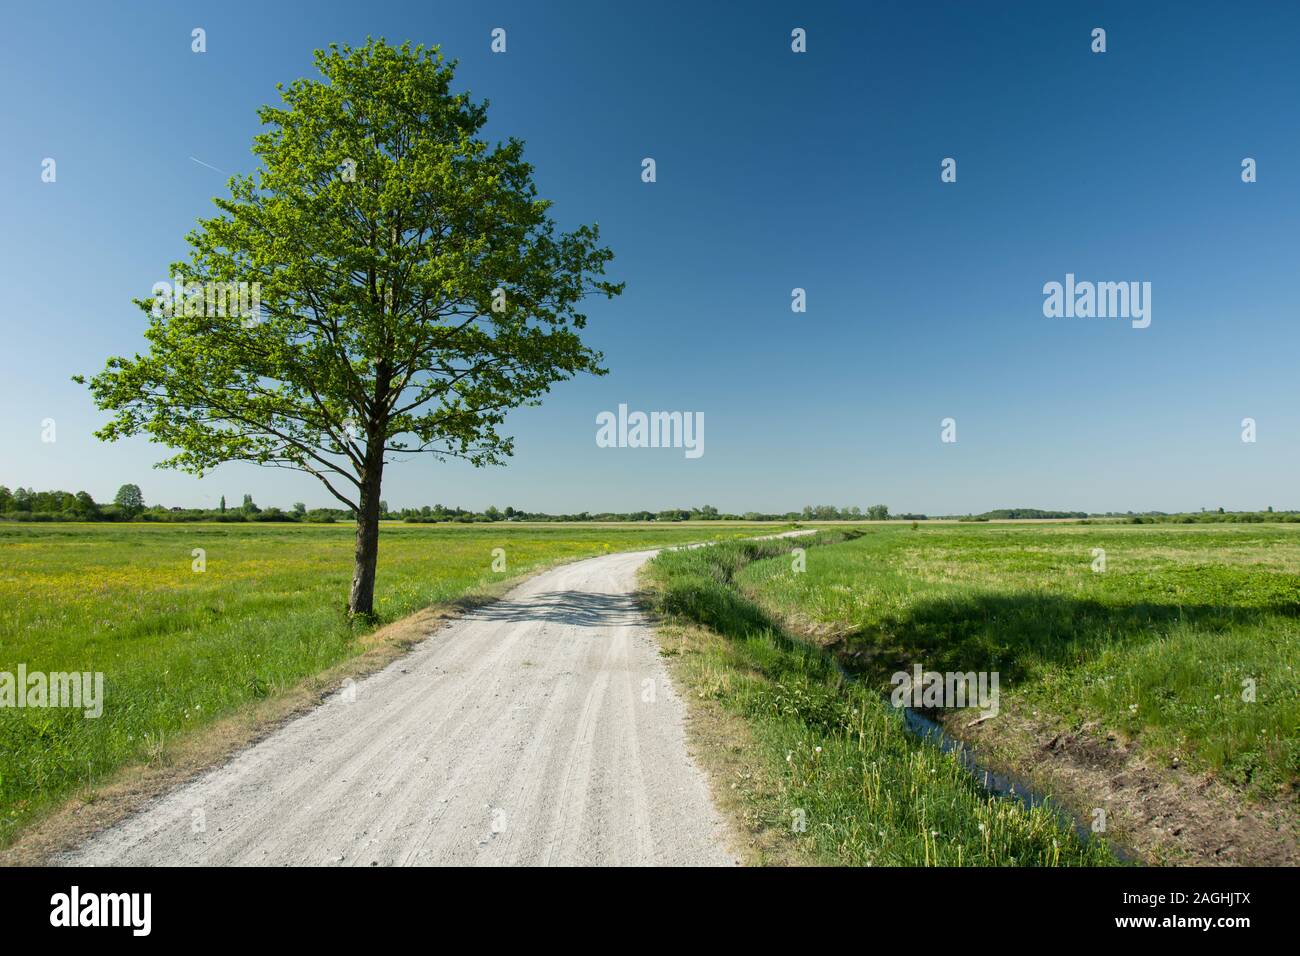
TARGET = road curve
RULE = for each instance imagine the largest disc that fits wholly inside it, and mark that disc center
(542, 729)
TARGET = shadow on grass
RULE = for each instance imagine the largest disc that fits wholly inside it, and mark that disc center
(1011, 633)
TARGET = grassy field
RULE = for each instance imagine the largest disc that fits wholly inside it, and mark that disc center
(1154, 648)
(1146, 662)
(832, 776)
(1159, 647)
(181, 648)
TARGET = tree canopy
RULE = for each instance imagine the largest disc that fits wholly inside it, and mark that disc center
(129, 499)
(385, 282)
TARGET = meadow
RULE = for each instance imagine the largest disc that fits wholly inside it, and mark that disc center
(1163, 646)
(180, 647)
(1157, 646)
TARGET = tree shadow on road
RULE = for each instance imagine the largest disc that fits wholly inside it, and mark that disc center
(575, 608)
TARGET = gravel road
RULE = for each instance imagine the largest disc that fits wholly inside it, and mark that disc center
(542, 729)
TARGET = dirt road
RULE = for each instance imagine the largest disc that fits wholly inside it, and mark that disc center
(542, 729)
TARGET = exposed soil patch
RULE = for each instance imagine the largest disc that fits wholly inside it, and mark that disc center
(1163, 813)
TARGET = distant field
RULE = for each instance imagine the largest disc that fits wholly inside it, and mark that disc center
(1156, 647)
(180, 648)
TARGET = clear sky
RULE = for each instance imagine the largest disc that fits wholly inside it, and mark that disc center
(775, 170)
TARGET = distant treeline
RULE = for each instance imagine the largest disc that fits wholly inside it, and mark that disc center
(1131, 517)
(702, 513)
(1015, 514)
(1201, 517)
(23, 504)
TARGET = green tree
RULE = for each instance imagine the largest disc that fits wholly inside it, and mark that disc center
(129, 500)
(85, 505)
(223, 504)
(413, 290)
(878, 512)
(6, 499)
(299, 508)
(248, 507)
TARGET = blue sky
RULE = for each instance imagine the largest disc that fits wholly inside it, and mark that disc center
(775, 170)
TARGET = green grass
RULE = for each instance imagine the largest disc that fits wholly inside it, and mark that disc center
(1156, 647)
(180, 649)
(836, 755)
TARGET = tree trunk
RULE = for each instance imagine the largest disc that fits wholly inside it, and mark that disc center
(362, 600)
